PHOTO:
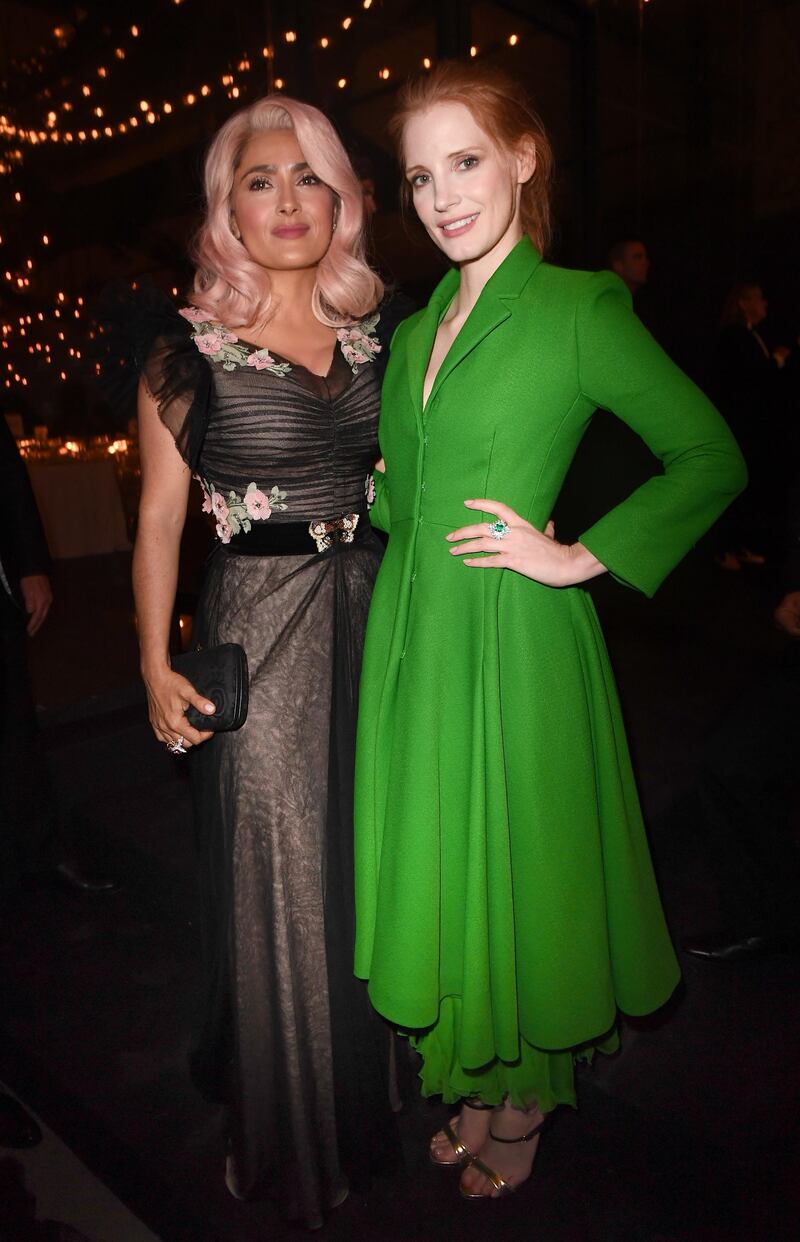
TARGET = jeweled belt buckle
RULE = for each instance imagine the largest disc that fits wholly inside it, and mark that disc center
(340, 530)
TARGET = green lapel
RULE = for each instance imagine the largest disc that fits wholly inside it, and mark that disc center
(493, 307)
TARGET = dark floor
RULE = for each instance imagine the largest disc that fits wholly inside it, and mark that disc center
(690, 1133)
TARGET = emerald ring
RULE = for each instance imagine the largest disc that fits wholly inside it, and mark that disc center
(498, 529)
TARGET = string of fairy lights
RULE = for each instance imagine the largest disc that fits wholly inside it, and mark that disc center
(58, 124)
(50, 337)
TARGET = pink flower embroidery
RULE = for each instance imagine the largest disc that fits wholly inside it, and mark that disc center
(370, 489)
(209, 343)
(219, 507)
(224, 532)
(257, 504)
(195, 315)
(206, 503)
(260, 359)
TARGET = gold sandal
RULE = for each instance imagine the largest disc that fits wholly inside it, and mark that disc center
(464, 1155)
(502, 1187)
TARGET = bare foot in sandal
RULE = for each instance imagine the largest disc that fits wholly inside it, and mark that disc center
(468, 1133)
(506, 1157)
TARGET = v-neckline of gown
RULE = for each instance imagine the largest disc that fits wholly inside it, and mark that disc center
(439, 322)
(299, 366)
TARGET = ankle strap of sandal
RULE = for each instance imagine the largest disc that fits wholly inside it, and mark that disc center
(523, 1138)
(478, 1105)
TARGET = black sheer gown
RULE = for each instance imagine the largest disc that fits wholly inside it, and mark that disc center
(290, 1041)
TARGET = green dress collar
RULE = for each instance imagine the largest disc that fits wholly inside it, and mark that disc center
(492, 308)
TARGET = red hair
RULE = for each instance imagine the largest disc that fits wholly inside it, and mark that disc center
(502, 109)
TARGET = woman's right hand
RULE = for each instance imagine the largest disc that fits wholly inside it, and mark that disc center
(168, 696)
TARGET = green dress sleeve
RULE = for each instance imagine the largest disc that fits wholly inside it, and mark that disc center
(379, 509)
(622, 369)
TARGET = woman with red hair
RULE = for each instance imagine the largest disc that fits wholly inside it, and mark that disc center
(265, 389)
(505, 896)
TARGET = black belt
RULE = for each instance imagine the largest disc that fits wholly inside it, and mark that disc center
(271, 538)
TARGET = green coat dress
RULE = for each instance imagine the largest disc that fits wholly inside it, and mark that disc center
(505, 893)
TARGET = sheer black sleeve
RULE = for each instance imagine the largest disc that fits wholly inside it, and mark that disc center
(141, 333)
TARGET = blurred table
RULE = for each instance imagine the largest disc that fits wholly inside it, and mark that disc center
(80, 504)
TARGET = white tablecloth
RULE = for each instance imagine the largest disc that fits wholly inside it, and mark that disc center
(80, 505)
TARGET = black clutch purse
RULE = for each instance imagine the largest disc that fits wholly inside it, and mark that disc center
(219, 673)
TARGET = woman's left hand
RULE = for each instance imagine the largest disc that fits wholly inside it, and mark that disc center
(533, 553)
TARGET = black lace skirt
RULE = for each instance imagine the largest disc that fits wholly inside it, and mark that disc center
(289, 1039)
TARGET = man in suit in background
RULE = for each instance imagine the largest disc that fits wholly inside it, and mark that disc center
(29, 842)
(26, 831)
(28, 814)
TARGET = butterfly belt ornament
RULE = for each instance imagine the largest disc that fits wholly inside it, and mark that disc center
(340, 530)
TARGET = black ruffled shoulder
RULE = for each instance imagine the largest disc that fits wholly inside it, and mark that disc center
(140, 333)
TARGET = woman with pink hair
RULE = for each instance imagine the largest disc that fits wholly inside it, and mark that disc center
(265, 389)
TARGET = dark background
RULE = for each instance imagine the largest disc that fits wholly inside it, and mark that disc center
(672, 120)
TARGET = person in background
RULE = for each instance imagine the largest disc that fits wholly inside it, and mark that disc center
(29, 844)
(630, 260)
(748, 387)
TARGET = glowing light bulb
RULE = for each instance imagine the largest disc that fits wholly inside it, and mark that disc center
(473, 51)
(324, 42)
(383, 73)
(279, 84)
(426, 62)
(342, 83)
(347, 23)
(513, 40)
(290, 36)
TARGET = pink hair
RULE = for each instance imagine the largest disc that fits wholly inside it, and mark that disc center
(227, 282)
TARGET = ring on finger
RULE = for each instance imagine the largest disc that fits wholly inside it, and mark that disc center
(498, 529)
(178, 747)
